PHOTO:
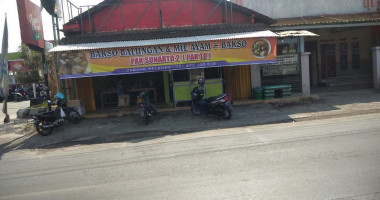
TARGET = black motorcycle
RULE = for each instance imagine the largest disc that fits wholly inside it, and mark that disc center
(45, 122)
(40, 92)
(219, 105)
(145, 108)
(15, 95)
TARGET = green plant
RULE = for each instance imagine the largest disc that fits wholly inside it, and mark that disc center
(41, 105)
(33, 60)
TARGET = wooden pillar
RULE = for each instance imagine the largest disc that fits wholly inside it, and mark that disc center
(86, 93)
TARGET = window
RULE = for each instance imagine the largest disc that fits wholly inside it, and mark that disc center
(355, 52)
(290, 48)
(343, 55)
(212, 73)
(181, 75)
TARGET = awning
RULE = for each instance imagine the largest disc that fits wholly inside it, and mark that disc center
(120, 44)
(129, 57)
(295, 33)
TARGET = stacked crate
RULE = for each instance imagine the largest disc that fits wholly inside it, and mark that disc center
(270, 91)
(258, 93)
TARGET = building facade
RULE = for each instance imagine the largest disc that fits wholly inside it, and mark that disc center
(341, 57)
(163, 46)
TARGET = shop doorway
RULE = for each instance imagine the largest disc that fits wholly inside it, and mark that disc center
(328, 61)
(133, 84)
(238, 81)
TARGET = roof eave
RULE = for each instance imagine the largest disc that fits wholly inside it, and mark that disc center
(322, 26)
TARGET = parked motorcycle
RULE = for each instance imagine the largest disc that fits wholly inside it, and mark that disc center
(40, 92)
(22, 94)
(145, 108)
(45, 122)
(219, 105)
(15, 95)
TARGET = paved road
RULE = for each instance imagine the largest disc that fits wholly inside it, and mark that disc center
(13, 107)
(321, 159)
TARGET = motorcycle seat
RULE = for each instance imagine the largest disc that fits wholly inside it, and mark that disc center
(216, 98)
(202, 102)
(45, 114)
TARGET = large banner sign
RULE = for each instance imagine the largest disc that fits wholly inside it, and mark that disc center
(29, 15)
(129, 60)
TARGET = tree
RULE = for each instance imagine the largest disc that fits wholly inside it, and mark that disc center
(33, 60)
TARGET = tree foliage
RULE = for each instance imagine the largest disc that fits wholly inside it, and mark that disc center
(33, 60)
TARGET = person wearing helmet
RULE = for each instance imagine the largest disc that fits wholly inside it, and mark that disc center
(198, 92)
(59, 101)
(201, 81)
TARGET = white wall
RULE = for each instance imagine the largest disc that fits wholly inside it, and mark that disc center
(297, 8)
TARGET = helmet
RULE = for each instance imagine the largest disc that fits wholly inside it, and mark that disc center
(60, 96)
(201, 81)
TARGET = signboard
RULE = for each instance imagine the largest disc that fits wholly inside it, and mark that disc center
(129, 60)
(29, 15)
(17, 66)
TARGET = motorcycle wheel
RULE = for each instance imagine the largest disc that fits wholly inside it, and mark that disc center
(227, 113)
(74, 117)
(146, 117)
(146, 120)
(195, 110)
(41, 131)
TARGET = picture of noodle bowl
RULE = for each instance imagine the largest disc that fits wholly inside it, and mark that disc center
(261, 48)
(74, 62)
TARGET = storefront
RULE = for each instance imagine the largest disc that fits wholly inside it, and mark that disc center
(162, 46)
(169, 68)
(287, 68)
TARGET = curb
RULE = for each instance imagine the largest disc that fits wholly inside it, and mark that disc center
(27, 112)
(334, 115)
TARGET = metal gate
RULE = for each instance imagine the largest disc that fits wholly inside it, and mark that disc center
(286, 71)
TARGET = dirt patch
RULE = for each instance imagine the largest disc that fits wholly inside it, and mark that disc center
(16, 128)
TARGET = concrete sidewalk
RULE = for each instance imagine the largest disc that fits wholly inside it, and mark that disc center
(113, 129)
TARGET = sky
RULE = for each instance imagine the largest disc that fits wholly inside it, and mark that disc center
(10, 8)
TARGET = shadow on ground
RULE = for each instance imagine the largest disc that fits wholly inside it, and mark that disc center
(131, 128)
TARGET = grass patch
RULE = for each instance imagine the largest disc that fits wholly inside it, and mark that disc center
(41, 105)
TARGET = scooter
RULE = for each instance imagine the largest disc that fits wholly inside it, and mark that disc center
(219, 105)
(145, 108)
(45, 122)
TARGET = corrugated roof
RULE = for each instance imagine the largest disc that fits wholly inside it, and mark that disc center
(296, 33)
(329, 19)
(260, 18)
(150, 34)
(118, 44)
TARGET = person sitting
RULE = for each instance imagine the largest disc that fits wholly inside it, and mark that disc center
(122, 96)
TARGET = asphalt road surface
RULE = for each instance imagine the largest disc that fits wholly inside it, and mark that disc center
(322, 159)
